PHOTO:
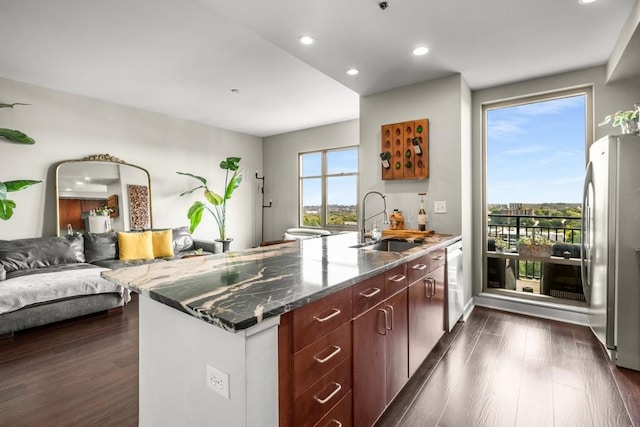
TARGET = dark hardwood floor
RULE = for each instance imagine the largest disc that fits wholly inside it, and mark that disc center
(504, 369)
(496, 369)
(81, 372)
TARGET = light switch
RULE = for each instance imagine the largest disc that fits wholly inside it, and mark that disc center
(440, 207)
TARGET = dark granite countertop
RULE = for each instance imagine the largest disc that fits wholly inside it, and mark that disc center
(236, 290)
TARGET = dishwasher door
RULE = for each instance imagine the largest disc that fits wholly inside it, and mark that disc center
(455, 289)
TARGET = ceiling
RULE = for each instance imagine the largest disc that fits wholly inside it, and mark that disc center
(183, 57)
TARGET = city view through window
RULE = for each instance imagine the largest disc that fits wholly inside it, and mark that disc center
(329, 188)
(534, 176)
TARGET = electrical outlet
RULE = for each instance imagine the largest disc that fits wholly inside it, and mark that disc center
(440, 207)
(218, 381)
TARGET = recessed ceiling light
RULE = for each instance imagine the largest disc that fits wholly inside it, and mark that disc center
(419, 51)
(306, 40)
(353, 71)
(586, 1)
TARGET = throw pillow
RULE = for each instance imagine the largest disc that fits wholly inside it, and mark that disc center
(162, 243)
(182, 240)
(135, 245)
(100, 246)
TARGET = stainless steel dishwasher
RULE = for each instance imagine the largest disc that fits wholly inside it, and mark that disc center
(455, 288)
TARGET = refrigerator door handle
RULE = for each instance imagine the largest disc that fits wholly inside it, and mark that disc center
(584, 232)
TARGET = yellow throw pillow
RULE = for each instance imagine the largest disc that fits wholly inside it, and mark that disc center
(162, 244)
(135, 245)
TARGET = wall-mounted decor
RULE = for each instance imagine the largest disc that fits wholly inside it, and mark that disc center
(112, 204)
(138, 202)
(405, 150)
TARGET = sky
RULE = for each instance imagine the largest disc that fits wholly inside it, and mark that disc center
(536, 152)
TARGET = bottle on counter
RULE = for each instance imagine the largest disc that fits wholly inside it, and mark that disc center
(376, 234)
(422, 214)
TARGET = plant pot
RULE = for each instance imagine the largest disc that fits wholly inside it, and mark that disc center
(225, 244)
(542, 251)
(629, 127)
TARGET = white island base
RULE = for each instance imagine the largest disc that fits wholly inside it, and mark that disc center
(175, 349)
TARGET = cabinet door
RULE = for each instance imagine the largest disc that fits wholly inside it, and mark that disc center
(436, 307)
(397, 344)
(419, 330)
(70, 214)
(369, 366)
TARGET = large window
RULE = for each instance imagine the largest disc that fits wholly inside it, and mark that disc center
(329, 188)
(535, 162)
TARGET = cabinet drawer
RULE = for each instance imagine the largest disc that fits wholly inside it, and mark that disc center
(367, 294)
(315, 361)
(418, 268)
(317, 319)
(340, 416)
(322, 396)
(436, 258)
(395, 280)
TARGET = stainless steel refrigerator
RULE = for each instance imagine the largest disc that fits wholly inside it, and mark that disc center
(611, 246)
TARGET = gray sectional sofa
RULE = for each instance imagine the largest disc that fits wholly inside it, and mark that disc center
(49, 279)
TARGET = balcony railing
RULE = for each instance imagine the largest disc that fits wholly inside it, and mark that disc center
(555, 228)
(510, 228)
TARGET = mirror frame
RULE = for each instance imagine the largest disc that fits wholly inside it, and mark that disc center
(104, 158)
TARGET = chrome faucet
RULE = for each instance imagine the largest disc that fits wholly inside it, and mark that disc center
(364, 217)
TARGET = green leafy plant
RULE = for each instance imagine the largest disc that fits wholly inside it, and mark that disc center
(621, 117)
(7, 206)
(214, 202)
(534, 240)
(12, 134)
(501, 245)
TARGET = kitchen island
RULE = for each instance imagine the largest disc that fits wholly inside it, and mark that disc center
(213, 321)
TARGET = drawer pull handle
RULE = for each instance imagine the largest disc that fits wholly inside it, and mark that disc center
(374, 291)
(328, 398)
(438, 258)
(336, 423)
(428, 282)
(397, 278)
(336, 350)
(419, 267)
(336, 312)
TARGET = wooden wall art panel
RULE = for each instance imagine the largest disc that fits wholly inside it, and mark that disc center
(405, 146)
(139, 205)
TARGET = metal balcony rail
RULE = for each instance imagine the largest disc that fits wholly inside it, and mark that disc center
(510, 228)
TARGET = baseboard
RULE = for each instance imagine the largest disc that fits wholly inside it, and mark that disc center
(545, 310)
(468, 308)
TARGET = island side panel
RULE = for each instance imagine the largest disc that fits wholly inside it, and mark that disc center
(175, 349)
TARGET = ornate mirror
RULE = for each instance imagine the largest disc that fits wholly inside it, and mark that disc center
(102, 193)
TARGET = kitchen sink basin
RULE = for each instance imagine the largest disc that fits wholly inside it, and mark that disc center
(390, 246)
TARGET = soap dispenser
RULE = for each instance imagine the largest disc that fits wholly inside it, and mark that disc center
(375, 232)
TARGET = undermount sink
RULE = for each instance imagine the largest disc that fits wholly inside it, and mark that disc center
(390, 246)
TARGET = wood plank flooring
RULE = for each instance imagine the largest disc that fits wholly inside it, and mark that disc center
(504, 369)
(497, 369)
(81, 372)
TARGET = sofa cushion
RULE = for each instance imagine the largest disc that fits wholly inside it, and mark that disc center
(100, 246)
(135, 245)
(41, 252)
(162, 241)
(182, 240)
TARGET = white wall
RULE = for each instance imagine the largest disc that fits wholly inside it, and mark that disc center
(67, 126)
(440, 102)
(608, 98)
(281, 169)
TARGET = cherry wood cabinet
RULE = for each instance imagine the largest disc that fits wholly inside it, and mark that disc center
(426, 307)
(380, 346)
(314, 362)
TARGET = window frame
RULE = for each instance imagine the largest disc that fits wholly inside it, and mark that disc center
(587, 91)
(324, 176)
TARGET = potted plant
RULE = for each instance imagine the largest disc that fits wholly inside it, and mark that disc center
(6, 205)
(214, 202)
(627, 120)
(501, 245)
(534, 246)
